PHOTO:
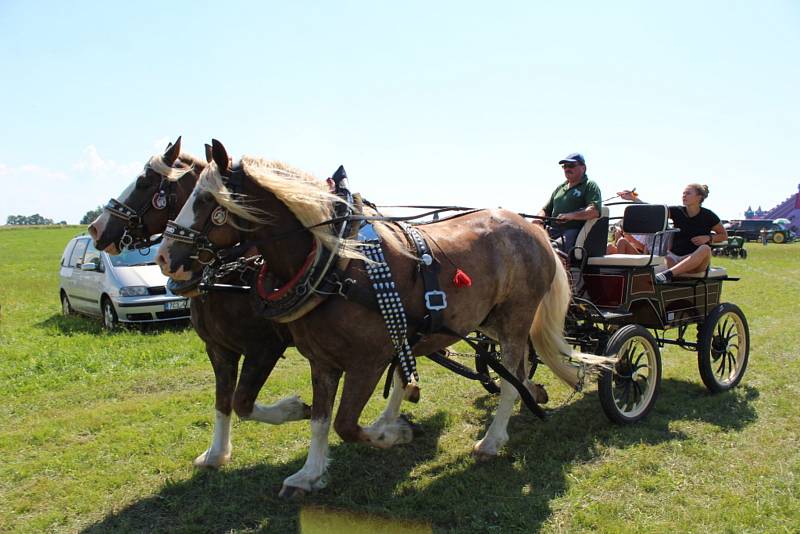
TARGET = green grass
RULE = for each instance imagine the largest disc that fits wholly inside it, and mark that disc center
(99, 430)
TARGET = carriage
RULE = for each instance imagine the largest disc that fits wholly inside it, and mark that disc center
(618, 310)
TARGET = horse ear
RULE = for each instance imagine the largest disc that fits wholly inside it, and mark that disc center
(220, 156)
(172, 152)
(208, 153)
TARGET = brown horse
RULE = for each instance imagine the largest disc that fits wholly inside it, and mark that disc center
(519, 291)
(227, 323)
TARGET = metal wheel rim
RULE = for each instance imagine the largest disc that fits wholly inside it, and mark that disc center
(108, 315)
(726, 352)
(634, 382)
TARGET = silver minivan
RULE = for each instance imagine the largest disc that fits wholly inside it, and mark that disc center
(128, 288)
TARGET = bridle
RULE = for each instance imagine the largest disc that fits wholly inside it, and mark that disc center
(135, 234)
(198, 239)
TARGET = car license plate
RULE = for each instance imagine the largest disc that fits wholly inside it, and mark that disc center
(177, 305)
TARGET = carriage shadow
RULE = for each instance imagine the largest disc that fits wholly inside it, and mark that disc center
(514, 492)
(80, 324)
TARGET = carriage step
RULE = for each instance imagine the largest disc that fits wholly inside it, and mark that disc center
(612, 317)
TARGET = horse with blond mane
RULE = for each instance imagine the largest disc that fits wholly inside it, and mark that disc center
(519, 292)
(227, 323)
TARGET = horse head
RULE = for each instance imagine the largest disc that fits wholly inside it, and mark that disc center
(209, 222)
(149, 201)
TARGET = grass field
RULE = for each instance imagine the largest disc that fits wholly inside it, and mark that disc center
(99, 430)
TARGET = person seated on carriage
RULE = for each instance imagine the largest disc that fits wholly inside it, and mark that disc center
(625, 243)
(699, 229)
(572, 203)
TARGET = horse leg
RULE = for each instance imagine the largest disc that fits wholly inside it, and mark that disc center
(324, 380)
(497, 434)
(225, 364)
(255, 371)
(390, 428)
(358, 388)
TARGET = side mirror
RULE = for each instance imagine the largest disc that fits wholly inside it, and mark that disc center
(88, 267)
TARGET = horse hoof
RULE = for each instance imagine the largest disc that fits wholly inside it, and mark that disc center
(290, 493)
(481, 456)
(211, 461)
(411, 393)
(307, 411)
(539, 394)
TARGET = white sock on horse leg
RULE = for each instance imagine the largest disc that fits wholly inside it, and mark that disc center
(310, 476)
(219, 453)
(288, 409)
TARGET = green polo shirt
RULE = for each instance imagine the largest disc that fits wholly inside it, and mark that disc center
(566, 199)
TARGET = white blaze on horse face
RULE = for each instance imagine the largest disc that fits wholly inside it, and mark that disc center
(219, 453)
(98, 226)
(186, 216)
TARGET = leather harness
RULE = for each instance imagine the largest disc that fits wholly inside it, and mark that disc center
(320, 278)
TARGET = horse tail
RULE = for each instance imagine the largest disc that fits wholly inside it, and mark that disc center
(547, 331)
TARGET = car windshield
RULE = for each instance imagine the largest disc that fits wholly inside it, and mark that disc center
(131, 257)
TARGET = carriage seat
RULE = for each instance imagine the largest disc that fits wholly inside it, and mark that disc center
(628, 260)
(593, 237)
(713, 272)
(647, 219)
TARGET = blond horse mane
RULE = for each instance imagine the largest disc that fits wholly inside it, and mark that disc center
(307, 197)
(173, 174)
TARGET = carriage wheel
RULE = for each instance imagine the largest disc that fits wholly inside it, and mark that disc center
(724, 341)
(743, 254)
(629, 391)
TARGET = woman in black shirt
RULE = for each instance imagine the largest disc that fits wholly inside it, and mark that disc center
(699, 228)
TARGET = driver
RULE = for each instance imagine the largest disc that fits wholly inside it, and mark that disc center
(573, 202)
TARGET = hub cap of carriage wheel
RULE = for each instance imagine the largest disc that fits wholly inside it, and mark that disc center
(634, 377)
(726, 348)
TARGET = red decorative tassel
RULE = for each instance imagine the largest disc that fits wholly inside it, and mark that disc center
(462, 279)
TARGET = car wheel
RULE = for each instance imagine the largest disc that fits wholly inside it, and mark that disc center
(778, 237)
(109, 315)
(66, 307)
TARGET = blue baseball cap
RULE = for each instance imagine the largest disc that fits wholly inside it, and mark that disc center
(575, 157)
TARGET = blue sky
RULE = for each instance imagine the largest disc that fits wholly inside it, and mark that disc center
(461, 103)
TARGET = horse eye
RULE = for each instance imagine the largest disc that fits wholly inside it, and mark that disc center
(143, 182)
(205, 197)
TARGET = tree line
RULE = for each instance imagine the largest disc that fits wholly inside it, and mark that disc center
(24, 220)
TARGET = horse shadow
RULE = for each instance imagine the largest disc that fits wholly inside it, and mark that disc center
(514, 491)
(82, 324)
(228, 499)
